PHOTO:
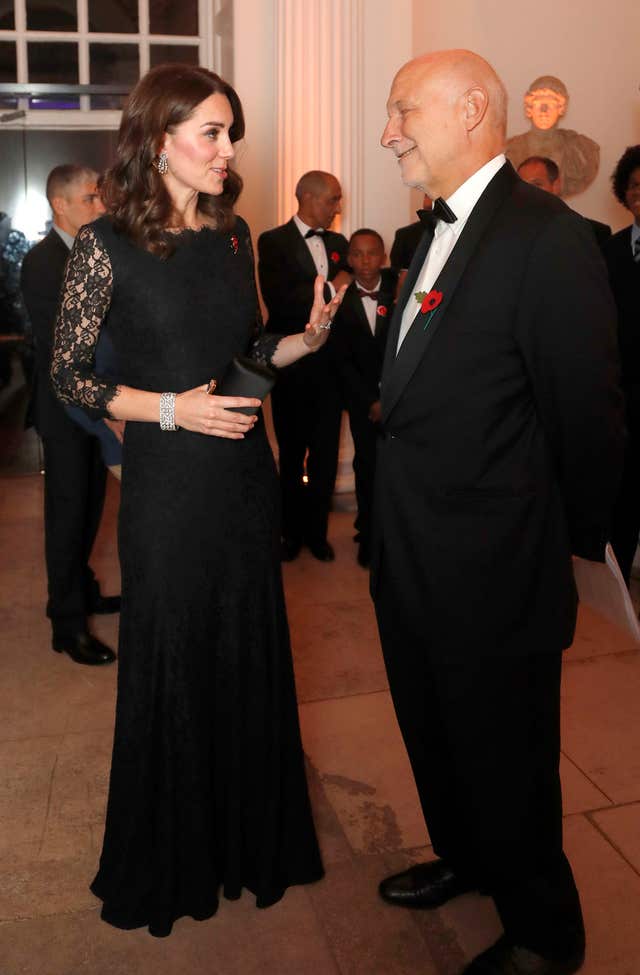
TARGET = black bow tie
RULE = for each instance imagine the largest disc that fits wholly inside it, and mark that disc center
(368, 294)
(313, 233)
(440, 211)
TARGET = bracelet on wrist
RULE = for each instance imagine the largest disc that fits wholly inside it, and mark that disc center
(168, 411)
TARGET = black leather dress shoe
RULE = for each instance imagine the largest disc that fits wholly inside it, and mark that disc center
(424, 885)
(504, 958)
(289, 550)
(102, 605)
(322, 551)
(84, 649)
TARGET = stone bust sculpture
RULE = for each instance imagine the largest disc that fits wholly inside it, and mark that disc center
(576, 155)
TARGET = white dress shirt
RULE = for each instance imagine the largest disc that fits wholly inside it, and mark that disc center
(369, 304)
(446, 236)
(316, 246)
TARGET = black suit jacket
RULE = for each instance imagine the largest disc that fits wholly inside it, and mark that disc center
(287, 273)
(601, 230)
(405, 244)
(624, 275)
(357, 351)
(503, 431)
(41, 280)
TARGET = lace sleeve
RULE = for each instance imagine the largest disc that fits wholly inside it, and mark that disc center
(84, 302)
(263, 344)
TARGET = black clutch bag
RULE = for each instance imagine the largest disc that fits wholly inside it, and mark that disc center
(244, 377)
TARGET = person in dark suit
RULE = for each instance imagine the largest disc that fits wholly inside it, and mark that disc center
(358, 343)
(405, 243)
(305, 400)
(623, 261)
(74, 484)
(500, 458)
(545, 173)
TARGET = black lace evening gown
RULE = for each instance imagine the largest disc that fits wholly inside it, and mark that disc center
(207, 786)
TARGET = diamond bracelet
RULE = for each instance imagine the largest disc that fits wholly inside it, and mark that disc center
(168, 411)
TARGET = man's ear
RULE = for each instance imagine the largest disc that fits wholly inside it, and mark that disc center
(58, 205)
(476, 102)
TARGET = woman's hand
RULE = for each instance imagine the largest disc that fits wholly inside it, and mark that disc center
(316, 332)
(200, 412)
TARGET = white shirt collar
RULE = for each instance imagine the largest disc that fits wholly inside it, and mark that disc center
(463, 200)
(67, 238)
(361, 287)
(304, 227)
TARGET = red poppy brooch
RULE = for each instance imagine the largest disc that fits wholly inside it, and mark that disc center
(234, 243)
(429, 303)
(382, 311)
(335, 257)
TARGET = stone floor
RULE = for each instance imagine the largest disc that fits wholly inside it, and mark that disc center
(55, 736)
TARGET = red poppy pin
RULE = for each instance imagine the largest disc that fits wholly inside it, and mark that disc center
(234, 243)
(335, 257)
(382, 311)
(429, 303)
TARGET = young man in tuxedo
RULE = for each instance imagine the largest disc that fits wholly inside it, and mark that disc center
(500, 457)
(305, 400)
(358, 343)
(545, 173)
(74, 481)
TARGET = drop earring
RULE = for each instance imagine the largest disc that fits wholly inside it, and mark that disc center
(162, 163)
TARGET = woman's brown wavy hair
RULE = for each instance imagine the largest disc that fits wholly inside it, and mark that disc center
(132, 189)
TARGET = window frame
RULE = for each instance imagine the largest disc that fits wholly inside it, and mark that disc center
(207, 42)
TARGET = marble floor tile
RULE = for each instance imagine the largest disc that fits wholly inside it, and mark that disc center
(610, 894)
(77, 796)
(596, 636)
(336, 649)
(622, 828)
(600, 722)
(579, 794)
(355, 746)
(28, 767)
(365, 934)
(286, 939)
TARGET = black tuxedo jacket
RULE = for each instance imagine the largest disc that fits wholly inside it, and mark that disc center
(287, 273)
(405, 244)
(624, 275)
(358, 352)
(503, 431)
(601, 230)
(41, 280)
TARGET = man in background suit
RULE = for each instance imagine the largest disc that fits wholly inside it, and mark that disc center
(545, 173)
(305, 400)
(405, 243)
(358, 343)
(500, 458)
(74, 484)
(622, 255)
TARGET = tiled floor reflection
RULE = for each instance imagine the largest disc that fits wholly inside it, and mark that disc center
(56, 723)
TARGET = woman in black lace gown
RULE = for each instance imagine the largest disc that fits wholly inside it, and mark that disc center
(207, 788)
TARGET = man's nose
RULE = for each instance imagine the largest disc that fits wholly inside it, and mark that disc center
(390, 134)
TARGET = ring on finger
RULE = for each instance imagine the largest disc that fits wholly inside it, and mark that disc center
(326, 325)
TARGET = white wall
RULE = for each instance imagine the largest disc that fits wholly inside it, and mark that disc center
(387, 45)
(594, 47)
(254, 80)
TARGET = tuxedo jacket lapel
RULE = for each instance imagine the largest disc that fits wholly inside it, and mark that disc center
(399, 369)
(300, 250)
(405, 294)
